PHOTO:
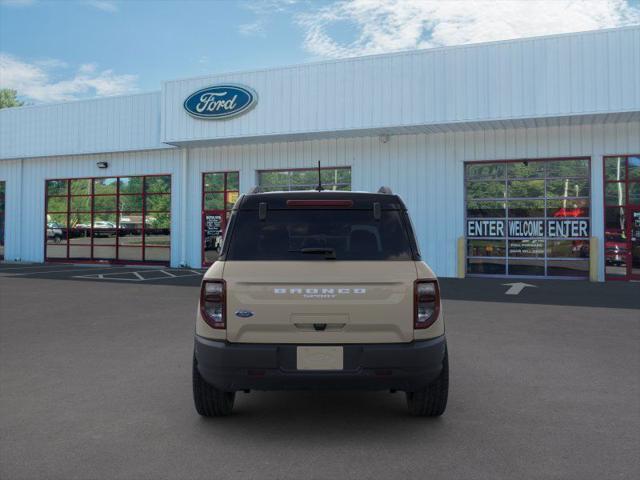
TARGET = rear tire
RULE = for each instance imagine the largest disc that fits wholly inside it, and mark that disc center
(432, 401)
(209, 401)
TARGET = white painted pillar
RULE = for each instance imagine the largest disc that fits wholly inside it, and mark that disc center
(184, 205)
(19, 253)
(597, 212)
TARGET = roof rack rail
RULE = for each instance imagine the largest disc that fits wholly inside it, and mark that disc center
(385, 190)
(256, 189)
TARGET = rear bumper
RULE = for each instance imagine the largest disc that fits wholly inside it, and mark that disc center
(401, 366)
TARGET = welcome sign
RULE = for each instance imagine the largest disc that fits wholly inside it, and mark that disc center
(219, 102)
(525, 228)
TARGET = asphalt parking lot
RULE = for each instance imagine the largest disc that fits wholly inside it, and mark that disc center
(95, 383)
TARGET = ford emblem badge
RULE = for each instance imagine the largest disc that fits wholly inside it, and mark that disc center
(218, 102)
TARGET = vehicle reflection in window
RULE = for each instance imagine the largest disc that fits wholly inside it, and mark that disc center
(104, 218)
(568, 248)
(615, 252)
(56, 241)
(486, 248)
(568, 208)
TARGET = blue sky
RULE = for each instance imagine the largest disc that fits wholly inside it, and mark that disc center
(63, 50)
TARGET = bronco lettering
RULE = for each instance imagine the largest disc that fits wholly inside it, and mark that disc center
(319, 291)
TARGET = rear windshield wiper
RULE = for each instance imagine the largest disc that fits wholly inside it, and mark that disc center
(329, 253)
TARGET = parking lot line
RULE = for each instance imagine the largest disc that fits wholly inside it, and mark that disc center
(23, 267)
(121, 273)
(40, 272)
(139, 275)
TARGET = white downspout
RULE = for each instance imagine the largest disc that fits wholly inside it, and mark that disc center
(18, 235)
(183, 203)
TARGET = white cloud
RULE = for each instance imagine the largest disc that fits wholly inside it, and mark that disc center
(388, 25)
(269, 6)
(264, 10)
(252, 29)
(104, 5)
(36, 81)
(51, 63)
(87, 68)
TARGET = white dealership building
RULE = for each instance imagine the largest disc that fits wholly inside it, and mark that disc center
(515, 158)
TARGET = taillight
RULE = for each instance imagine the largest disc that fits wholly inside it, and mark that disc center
(427, 303)
(212, 303)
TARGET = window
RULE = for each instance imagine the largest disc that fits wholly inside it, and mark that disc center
(333, 178)
(220, 190)
(313, 235)
(119, 219)
(2, 212)
(622, 217)
(529, 217)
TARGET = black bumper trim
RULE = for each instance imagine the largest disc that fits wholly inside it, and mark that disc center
(390, 366)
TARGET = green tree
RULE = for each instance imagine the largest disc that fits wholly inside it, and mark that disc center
(8, 98)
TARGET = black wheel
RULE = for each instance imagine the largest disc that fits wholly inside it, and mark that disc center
(209, 401)
(57, 239)
(431, 402)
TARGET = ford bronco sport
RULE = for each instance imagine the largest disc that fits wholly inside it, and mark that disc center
(320, 290)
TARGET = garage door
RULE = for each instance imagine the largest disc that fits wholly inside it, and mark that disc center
(528, 217)
(114, 219)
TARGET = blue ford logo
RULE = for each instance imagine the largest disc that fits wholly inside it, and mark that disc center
(220, 101)
(244, 313)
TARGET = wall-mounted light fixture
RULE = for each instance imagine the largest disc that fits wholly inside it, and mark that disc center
(102, 164)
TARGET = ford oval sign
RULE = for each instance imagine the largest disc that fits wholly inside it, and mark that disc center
(220, 101)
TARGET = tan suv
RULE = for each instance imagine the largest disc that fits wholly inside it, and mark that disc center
(320, 290)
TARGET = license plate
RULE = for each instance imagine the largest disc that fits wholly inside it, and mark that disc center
(320, 358)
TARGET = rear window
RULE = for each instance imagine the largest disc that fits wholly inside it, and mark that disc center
(319, 235)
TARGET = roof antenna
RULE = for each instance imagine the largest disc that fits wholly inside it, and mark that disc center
(319, 178)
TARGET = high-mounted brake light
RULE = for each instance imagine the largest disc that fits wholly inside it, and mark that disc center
(213, 303)
(426, 303)
(320, 203)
